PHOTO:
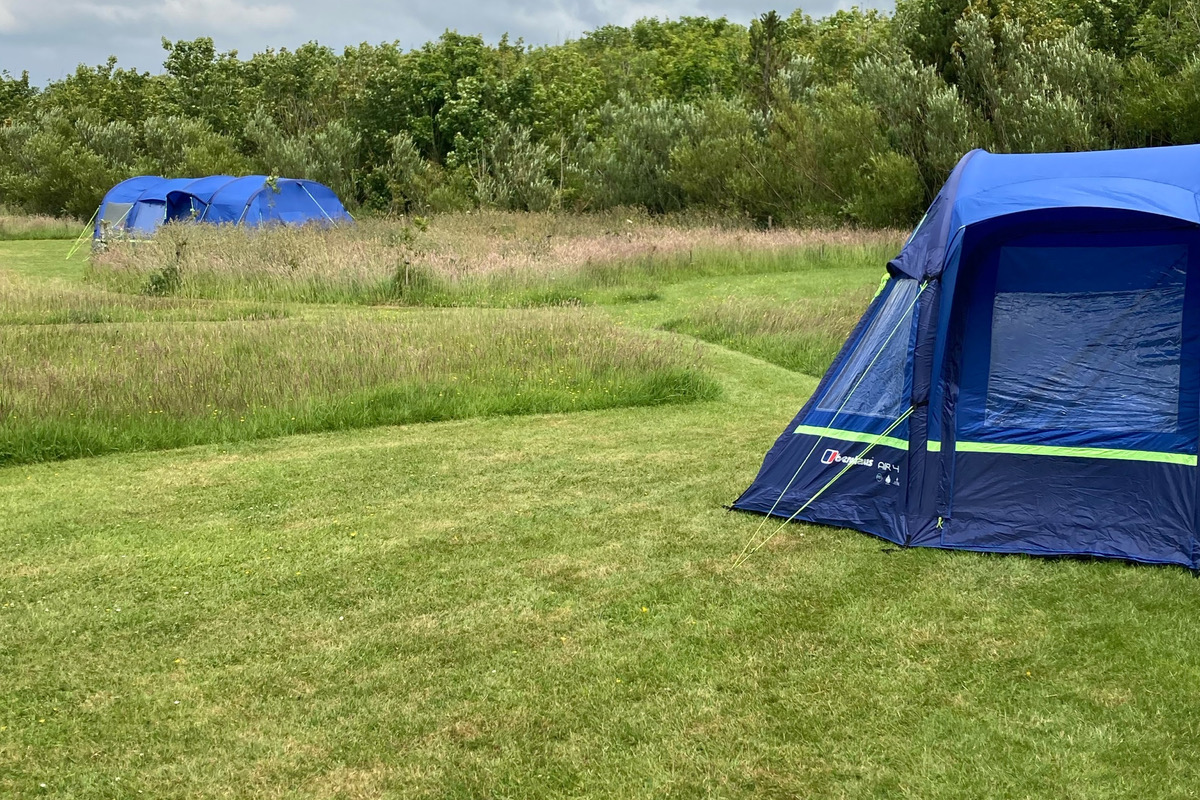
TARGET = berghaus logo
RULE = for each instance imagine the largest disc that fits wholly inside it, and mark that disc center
(835, 457)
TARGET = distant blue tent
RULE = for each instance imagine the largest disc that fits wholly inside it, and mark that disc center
(138, 206)
(1027, 380)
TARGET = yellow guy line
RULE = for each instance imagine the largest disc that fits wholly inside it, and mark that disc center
(837, 413)
(746, 556)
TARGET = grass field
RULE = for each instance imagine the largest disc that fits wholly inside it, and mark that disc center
(486, 259)
(543, 605)
(15, 226)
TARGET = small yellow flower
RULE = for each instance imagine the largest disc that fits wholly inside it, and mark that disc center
(644, 609)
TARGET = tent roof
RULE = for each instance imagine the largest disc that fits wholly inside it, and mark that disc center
(204, 188)
(1163, 181)
(1155, 180)
(156, 192)
(232, 199)
(130, 189)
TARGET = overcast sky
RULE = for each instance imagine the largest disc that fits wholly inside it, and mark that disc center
(50, 37)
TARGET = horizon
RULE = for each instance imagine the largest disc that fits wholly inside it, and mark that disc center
(51, 41)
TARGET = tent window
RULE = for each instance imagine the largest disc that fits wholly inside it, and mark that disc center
(872, 379)
(1101, 360)
(115, 212)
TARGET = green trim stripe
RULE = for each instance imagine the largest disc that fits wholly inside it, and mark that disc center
(935, 446)
(853, 436)
(1068, 452)
(1076, 452)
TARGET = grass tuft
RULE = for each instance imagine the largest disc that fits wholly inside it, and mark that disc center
(14, 226)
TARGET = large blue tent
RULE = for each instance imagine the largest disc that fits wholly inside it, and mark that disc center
(138, 206)
(1027, 379)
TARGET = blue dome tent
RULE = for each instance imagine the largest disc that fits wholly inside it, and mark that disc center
(1027, 379)
(138, 206)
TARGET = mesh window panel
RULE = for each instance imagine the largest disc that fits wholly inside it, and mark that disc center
(1100, 360)
(114, 213)
(871, 382)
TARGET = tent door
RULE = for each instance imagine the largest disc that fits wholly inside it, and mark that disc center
(1074, 427)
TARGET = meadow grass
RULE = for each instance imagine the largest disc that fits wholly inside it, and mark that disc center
(19, 226)
(46, 303)
(544, 607)
(536, 606)
(802, 335)
(483, 259)
(82, 390)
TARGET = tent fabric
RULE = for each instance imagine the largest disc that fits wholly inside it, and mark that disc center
(190, 201)
(150, 208)
(118, 202)
(255, 200)
(1028, 379)
(138, 206)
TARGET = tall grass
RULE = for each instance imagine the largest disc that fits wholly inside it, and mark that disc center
(802, 335)
(85, 390)
(53, 302)
(14, 226)
(481, 259)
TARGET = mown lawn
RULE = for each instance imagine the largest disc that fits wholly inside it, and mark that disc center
(544, 606)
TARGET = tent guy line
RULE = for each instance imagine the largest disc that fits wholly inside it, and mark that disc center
(817, 443)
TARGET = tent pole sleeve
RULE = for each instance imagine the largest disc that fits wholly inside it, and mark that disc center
(317, 204)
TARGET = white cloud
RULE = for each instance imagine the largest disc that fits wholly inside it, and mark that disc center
(8, 20)
(226, 14)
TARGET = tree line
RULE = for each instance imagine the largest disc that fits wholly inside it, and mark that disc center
(854, 117)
